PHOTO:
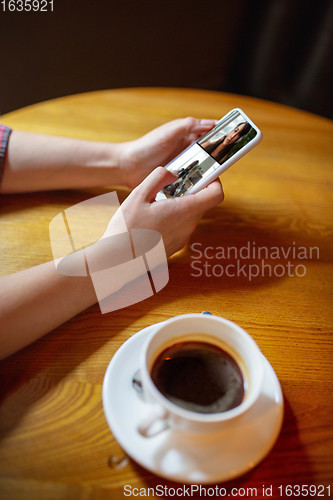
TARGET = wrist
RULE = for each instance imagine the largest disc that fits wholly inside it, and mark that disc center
(105, 164)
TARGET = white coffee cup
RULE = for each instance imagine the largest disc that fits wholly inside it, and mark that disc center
(164, 414)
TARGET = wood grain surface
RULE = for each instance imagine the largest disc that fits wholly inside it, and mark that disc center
(54, 439)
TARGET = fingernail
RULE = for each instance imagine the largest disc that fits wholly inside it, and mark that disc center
(207, 122)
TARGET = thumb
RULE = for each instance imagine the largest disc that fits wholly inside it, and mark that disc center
(204, 200)
(155, 181)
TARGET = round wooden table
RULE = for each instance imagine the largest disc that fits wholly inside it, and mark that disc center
(55, 442)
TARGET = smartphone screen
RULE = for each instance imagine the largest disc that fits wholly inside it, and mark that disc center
(208, 155)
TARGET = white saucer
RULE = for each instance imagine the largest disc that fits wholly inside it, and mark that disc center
(188, 458)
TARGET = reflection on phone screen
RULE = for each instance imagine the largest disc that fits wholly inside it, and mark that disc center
(231, 134)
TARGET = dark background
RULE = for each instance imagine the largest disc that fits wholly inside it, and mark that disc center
(279, 50)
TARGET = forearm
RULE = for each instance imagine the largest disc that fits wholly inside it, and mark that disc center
(39, 162)
(37, 300)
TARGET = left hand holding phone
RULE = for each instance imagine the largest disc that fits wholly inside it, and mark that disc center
(139, 157)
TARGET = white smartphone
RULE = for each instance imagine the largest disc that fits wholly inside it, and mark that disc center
(205, 160)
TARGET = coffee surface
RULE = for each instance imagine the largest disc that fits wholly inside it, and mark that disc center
(199, 377)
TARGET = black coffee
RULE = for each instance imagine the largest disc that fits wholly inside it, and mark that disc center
(199, 377)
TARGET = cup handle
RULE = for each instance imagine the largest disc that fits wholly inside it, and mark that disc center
(146, 427)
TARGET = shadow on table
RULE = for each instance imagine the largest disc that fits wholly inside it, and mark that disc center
(14, 203)
(30, 374)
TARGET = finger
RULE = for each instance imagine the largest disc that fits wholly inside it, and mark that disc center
(203, 126)
(205, 199)
(195, 129)
(190, 125)
(190, 139)
(155, 181)
(211, 196)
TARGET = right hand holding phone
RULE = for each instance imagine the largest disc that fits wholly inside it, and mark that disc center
(175, 219)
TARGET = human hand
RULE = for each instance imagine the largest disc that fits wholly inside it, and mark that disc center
(159, 146)
(175, 219)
